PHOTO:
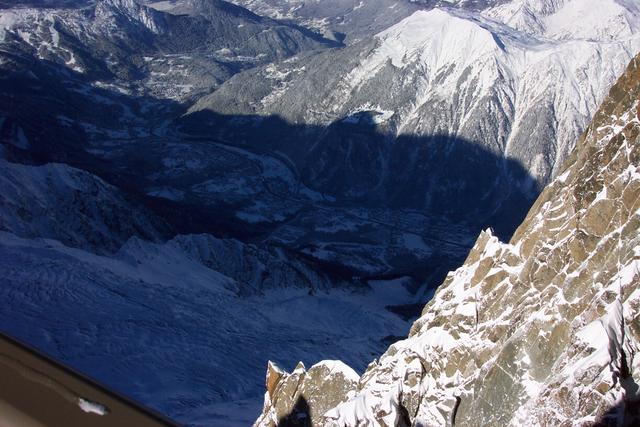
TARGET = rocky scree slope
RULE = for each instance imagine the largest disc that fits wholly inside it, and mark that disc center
(544, 330)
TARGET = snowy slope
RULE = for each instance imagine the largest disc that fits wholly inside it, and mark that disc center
(352, 19)
(158, 322)
(542, 330)
(345, 20)
(70, 205)
(89, 277)
(571, 19)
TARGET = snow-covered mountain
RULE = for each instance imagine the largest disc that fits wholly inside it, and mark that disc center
(451, 112)
(477, 76)
(542, 330)
(344, 20)
(168, 227)
(352, 20)
(570, 19)
(438, 119)
(123, 39)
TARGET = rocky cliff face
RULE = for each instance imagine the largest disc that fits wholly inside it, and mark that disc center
(303, 397)
(543, 330)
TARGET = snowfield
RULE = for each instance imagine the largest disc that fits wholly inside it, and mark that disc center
(154, 322)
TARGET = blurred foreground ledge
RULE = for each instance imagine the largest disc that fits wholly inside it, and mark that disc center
(36, 391)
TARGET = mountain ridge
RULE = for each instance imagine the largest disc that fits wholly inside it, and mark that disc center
(503, 77)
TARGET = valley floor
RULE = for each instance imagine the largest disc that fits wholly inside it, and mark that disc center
(180, 339)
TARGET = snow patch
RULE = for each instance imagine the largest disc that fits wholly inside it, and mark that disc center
(92, 407)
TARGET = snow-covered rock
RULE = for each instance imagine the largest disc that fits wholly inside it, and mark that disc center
(601, 20)
(300, 398)
(542, 330)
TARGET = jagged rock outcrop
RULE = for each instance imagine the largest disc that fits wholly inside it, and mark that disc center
(544, 330)
(303, 396)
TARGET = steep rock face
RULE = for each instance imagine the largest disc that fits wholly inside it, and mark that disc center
(540, 331)
(300, 398)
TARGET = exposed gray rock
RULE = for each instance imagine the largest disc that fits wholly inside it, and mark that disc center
(302, 397)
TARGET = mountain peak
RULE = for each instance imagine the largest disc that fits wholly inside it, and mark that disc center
(436, 35)
(131, 10)
(570, 19)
